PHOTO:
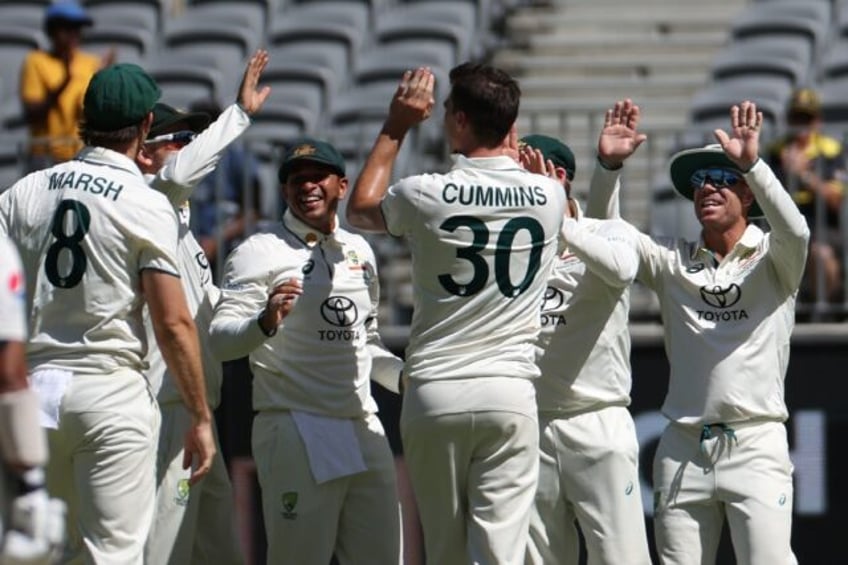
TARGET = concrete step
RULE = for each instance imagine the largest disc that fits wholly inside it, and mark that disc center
(611, 88)
(605, 46)
(621, 65)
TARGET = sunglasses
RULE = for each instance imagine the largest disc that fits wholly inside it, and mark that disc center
(719, 178)
(176, 137)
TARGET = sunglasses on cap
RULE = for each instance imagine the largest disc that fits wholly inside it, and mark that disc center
(183, 137)
(719, 178)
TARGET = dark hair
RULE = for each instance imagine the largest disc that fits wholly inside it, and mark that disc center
(488, 96)
(110, 139)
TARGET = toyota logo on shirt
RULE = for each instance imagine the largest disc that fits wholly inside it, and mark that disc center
(339, 311)
(553, 299)
(721, 297)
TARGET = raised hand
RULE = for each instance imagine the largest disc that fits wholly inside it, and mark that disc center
(533, 160)
(743, 145)
(251, 97)
(413, 100)
(619, 138)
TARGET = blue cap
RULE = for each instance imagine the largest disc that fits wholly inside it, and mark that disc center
(67, 11)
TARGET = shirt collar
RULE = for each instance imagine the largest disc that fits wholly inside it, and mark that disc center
(109, 158)
(751, 237)
(309, 235)
(499, 162)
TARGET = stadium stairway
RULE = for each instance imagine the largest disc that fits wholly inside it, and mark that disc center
(575, 58)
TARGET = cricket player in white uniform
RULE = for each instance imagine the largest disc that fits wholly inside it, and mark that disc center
(193, 525)
(302, 302)
(728, 309)
(32, 525)
(483, 239)
(96, 243)
(589, 453)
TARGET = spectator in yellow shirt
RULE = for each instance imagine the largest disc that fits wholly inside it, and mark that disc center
(53, 83)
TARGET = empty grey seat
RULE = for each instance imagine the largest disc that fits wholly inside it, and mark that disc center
(764, 57)
(406, 23)
(299, 30)
(184, 83)
(22, 13)
(15, 43)
(280, 123)
(134, 45)
(248, 15)
(806, 19)
(140, 15)
(716, 101)
(834, 99)
(311, 83)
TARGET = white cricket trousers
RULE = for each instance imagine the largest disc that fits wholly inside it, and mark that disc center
(102, 464)
(474, 476)
(356, 517)
(589, 475)
(702, 475)
(194, 525)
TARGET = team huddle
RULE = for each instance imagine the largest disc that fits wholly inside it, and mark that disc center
(516, 377)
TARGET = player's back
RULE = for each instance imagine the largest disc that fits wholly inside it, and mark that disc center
(483, 238)
(85, 230)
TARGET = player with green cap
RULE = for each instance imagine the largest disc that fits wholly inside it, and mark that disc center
(583, 392)
(301, 301)
(96, 244)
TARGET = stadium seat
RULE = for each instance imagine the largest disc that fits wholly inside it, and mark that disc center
(25, 14)
(15, 43)
(302, 31)
(183, 82)
(834, 99)
(248, 15)
(142, 16)
(279, 123)
(134, 45)
(302, 79)
(764, 57)
(716, 100)
(810, 20)
(423, 25)
(154, 9)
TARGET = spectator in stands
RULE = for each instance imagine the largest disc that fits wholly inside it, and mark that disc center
(812, 166)
(232, 211)
(53, 83)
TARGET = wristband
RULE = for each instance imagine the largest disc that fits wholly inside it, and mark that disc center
(607, 167)
(273, 331)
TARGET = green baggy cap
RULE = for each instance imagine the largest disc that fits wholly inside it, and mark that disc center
(553, 149)
(119, 96)
(309, 149)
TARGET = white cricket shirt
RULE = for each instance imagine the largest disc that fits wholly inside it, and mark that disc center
(177, 180)
(483, 239)
(728, 325)
(12, 295)
(85, 230)
(583, 350)
(326, 351)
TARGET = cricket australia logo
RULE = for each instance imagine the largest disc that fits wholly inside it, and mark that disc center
(183, 492)
(552, 301)
(288, 502)
(722, 298)
(339, 311)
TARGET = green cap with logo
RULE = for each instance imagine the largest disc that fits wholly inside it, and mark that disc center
(315, 150)
(554, 150)
(119, 96)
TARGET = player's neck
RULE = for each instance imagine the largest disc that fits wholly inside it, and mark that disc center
(721, 241)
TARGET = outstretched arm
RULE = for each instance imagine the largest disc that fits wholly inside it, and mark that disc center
(412, 103)
(619, 139)
(185, 169)
(789, 234)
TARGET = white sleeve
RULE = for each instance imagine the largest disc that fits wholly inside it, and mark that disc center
(234, 331)
(790, 235)
(156, 230)
(188, 166)
(604, 189)
(610, 253)
(399, 205)
(385, 365)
